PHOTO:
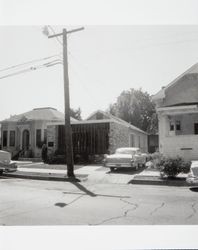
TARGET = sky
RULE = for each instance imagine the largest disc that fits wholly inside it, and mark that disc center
(103, 61)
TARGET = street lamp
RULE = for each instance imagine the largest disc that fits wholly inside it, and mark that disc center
(68, 131)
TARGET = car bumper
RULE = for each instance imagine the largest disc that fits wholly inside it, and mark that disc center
(118, 165)
(8, 167)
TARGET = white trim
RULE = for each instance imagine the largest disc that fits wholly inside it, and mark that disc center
(186, 107)
(81, 122)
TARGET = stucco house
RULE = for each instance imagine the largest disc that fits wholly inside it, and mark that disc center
(122, 133)
(177, 108)
(24, 134)
(101, 133)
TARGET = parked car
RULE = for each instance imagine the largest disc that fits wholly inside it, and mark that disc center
(125, 157)
(6, 165)
(193, 175)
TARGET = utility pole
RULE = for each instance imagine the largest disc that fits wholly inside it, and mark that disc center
(68, 130)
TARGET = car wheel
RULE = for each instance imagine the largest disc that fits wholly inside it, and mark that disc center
(112, 168)
(1, 172)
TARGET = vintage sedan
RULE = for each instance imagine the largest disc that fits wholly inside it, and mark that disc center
(125, 157)
(6, 165)
(192, 178)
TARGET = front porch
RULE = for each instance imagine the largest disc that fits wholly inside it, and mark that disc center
(178, 129)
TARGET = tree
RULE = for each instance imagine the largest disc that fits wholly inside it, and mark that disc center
(137, 108)
(76, 113)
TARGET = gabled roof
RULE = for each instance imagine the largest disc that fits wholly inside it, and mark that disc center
(161, 94)
(115, 119)
(47, 114)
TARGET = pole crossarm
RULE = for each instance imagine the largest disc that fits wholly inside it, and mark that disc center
(68, 32)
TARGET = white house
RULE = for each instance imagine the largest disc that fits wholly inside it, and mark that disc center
(177, 108)
(25, 133)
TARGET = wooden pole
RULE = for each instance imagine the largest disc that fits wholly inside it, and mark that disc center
(68, 130)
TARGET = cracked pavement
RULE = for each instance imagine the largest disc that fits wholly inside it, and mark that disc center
(31, 202)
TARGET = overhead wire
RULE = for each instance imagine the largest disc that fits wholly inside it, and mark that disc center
(32, 68)
(29, 62)
(20, 67)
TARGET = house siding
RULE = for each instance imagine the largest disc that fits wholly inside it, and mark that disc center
(184, 146)
(183, 143)
(52, 138)
(184, 91)
(120, 135)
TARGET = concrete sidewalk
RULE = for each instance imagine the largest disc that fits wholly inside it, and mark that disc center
(152, 177)
(93, 174)
(90, 173)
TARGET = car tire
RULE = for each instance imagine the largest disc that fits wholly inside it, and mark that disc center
(1, 172)
(112, 169)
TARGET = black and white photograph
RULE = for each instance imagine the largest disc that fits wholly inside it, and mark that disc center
(99, 129)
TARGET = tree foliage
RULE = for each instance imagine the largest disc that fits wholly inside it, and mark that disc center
(137, 108)
(76, 113)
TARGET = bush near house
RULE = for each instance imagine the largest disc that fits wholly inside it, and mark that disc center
(171, 167)
(153, 160)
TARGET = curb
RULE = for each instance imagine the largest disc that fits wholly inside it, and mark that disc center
(45, 176)
(154, 180)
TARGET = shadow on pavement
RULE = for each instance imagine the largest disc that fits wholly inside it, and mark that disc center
(194, 189)
(60, 204)
(88, 192)
(84, 189)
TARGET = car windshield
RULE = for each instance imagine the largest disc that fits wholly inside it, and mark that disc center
(126, 151)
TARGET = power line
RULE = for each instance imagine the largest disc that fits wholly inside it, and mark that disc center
(32, 68)
(29, 62)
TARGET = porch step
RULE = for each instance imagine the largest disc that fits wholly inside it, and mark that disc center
(30, 159)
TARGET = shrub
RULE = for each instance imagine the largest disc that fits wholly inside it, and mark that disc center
(155, 158)
(171, 167)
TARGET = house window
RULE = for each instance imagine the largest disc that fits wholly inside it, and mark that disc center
(196, 128)
(5, 138)
(139, 138)
(178, 125)
(132, 140)
(38, 138)
(12, 138)
(172, 126)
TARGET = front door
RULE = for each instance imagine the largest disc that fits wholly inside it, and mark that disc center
(26, 140)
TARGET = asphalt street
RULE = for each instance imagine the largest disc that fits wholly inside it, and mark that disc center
(33, 202)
